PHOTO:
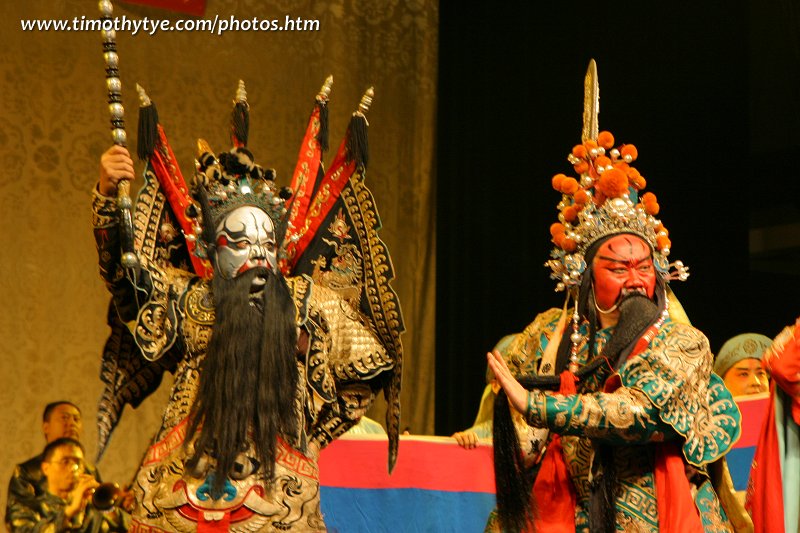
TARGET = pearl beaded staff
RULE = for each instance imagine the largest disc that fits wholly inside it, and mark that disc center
(114, 86)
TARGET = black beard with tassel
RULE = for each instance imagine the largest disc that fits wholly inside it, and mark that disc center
(248, 379)
(513, 480)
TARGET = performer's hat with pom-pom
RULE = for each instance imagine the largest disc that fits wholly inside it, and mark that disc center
(604, 200)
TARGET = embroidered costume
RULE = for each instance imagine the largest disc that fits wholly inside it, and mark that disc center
(311, 272)
(773, 492)
(630, 419)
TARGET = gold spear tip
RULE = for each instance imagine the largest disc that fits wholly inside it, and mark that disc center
(366, 100)
(203, 147)
(144, 100)
(325, 90)
(241, 94)
(591, 103)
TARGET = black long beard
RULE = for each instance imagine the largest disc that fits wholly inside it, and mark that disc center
(513, 480)
(248, 379)
(637, 312)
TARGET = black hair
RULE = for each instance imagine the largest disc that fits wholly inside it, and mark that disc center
(51, 447)
(48, 409)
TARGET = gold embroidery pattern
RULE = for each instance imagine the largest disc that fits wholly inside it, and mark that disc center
(199, 303)
(525, 350)
(301, 288)
(104, 211)
(637, 497)
(381, 299)
(619, 411)
(359, 355)
(319, 374)
(150, 204)
(675, 374)
(184, 390)
(156, 326)
(578, 455)
(711, 512)
(629, 524)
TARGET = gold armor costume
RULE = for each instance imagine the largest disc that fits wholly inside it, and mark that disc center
(347, 350)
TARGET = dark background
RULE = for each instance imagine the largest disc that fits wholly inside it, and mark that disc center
(708, 93)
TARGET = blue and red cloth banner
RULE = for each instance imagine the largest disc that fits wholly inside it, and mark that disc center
(436, 485)
(740, 458)
(439, 486)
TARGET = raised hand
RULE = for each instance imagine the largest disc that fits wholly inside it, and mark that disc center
(115, 165)
(516, 393)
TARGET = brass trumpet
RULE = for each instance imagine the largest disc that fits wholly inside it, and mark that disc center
(106, 496)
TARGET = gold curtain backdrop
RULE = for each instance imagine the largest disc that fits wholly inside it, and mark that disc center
(54, 126)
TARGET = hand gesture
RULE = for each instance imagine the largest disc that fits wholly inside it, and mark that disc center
(115, 165)
(80, 495)
(517, 395)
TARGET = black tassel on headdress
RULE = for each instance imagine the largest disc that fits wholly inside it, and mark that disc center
(208, 232)
(240, 123)
(240, 117)
(148, 130)
(357, 140)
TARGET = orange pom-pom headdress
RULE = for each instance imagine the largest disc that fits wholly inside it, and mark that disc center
(603, 199)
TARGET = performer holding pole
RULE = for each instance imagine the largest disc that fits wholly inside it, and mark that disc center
(118, 135)
(279, 333)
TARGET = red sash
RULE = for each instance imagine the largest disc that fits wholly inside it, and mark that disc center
(765, 488)
(677, 512)
(553, 489)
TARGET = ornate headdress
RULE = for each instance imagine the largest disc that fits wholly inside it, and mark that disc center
(326, 222)
(604, 200)
(233, 179)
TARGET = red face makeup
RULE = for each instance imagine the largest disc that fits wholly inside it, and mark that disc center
(623, 264)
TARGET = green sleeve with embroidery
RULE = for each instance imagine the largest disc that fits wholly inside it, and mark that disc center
(667, 392)
(620, 417)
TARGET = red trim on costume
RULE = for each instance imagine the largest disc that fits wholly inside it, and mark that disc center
(765, 487)
(553, 498)
(295, 461)
(158, 451)
(305, 176)
(645, 340)
(677, 512)
(329, 190)
(176, 192)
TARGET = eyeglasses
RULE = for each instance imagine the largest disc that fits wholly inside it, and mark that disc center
(73, 463)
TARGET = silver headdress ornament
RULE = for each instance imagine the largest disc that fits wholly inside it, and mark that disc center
(604, 200)
(233, 179)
